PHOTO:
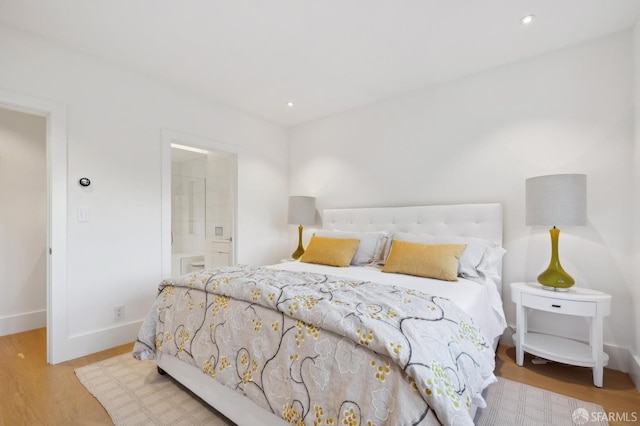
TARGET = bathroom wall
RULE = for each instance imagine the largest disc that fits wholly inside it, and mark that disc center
(188, 205)
(202, 201)
(220, 200)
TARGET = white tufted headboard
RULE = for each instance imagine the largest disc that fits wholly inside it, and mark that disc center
(467, 220)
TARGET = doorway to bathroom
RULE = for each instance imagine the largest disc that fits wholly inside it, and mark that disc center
(202, 197)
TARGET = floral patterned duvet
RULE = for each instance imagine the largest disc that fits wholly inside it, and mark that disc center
(317, 349)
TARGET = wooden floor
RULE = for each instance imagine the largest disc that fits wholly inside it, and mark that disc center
(618, 395)
(35, 393)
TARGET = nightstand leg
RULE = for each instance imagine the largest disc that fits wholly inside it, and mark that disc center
(596, 350)
(521, 329)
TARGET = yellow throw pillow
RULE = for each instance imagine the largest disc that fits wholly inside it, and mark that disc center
(330, 251)
(439, 261)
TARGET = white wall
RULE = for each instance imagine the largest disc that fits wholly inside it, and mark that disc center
(23, 221)
(477, 139)
(115, 122)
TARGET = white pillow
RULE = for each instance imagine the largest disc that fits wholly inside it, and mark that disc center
(490, 265)
(471, 257)
(370, 247)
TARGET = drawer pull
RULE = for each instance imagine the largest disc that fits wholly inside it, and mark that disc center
(556, 306)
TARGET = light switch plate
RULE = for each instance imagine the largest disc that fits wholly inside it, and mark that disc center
(83, 214)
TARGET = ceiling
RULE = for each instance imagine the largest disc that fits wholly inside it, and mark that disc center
(326, 56)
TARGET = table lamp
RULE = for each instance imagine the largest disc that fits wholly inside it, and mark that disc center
(302, 211)
(556, 200)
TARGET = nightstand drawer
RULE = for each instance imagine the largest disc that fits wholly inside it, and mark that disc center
(553, 304)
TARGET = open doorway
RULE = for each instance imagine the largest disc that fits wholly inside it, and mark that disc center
(55, 115)
(23, 221)
(199, 203)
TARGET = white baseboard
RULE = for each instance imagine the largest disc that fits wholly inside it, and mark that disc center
(88, 343)
(634, 369)
(619, 358)
(74, 346)
(23, 322)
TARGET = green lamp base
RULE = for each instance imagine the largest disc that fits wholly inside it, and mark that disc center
(553, 287)
(300, 250)
(555, 278)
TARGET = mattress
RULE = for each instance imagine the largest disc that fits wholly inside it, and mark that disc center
(480, 298)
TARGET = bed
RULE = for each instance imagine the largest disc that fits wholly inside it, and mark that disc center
(361, 344)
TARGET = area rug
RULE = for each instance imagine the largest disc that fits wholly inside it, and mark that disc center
(134, 394)
(512, 403)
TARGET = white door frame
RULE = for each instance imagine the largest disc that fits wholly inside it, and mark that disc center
(56, 149)
(172, 136)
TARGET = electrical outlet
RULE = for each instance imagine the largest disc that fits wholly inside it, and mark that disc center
(118, 312)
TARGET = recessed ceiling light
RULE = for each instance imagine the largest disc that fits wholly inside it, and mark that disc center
(527, 20)
(290, 104)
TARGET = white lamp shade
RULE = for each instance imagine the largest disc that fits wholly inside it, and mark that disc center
(556, 200)
(302, 210)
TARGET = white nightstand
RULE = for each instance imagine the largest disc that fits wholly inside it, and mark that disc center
(582, 302)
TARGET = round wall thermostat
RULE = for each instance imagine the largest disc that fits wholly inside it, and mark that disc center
(84, 182)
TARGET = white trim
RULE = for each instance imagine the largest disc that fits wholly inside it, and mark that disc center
(56, 145)
(94, 341)
(18, 323)
(634, 369)
(165, 206)
(185, 139)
